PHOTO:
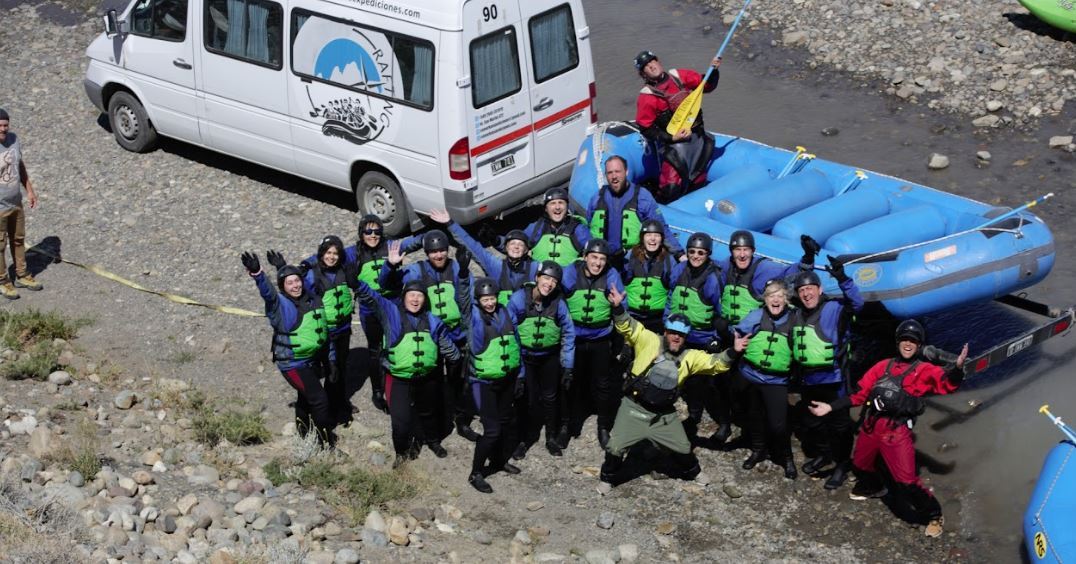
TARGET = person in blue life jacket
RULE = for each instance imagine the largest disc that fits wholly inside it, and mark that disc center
(495, 359)
(587, 283)
(333, 280)
(617, 211)
(558, 235)
(696, 294)
(300, 343)
(547, 334)
(415, 343)
(648, 276)
(820, 333)
(368, 255)
(511, 272)
(765, 367)
(440, 275)
(647, 412)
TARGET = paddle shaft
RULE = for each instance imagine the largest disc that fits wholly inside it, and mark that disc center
(1011, 213)
(1060, 424)
(728, 36)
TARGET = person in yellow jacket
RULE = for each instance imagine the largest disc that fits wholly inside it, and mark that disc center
(647, 410)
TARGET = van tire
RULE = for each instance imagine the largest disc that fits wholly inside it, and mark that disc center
(377, 193)
(130, 124)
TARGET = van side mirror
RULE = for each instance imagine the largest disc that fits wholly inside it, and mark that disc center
(113, 26)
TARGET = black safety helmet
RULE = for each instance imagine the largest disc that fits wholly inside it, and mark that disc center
(550, 268)
(517, 235)
(331, 241)
(653, 226)
(414, 286)
(643, 59)
(701, 241)
(434, 240)
(367, 220)
(285, 271)
(597, 245)
(555, 193)
(485, 287)
(742, 238)
(806, 278)
(911, 330)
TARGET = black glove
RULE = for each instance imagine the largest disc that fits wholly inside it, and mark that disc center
(836, 269)
(251, 262)
(520, 388)
(276, 259)
(566, 379)
(714, 347)
(463, 258)
(810, 249)
(304, 267)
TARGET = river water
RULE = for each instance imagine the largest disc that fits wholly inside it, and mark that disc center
(990, 458)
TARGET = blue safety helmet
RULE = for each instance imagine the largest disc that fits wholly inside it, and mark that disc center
(677, 323)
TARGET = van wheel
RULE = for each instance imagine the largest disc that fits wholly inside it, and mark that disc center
(130, 124)
(378, 194)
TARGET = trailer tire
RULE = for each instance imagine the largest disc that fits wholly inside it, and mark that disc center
(130, 124)
(378, 194)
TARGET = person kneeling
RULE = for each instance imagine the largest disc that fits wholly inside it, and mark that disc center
(892, 391)
(647, 411)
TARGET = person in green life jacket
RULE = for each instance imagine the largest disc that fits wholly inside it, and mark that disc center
(368, 256)
(495, 358)
(647, 276)
(617, 211)
(511, 272)
(586, 286)
(440, 275)
(744, 274)
(547, 334)
(300, 343)
(764, 369)
(415, 342)
(648, 411)
(696, 294)
(557, 235)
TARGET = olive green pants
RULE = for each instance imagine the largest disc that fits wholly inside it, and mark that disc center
(635, 424)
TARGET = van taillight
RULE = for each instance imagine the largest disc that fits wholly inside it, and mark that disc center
(593, 95)
(459, 160)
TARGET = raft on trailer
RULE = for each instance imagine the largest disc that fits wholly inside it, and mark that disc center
(1050, 519)
(914, 249)
(1058, 13)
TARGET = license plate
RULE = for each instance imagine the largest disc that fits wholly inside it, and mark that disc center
(503, 164)
(1019, 345)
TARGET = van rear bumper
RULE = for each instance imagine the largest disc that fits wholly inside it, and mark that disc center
(464, 210)
(95, 93)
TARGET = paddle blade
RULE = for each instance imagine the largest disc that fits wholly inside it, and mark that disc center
(687, 111)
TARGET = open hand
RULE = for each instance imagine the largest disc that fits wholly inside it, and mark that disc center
(276, 259)
(251, 262)
(739, 344)
(962, 357)
(394, 257)
(819, 409)
(441, 216)
(615, 297)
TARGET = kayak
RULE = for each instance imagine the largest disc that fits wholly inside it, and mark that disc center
(913, 249)
(1050, 518)
(1058, 13)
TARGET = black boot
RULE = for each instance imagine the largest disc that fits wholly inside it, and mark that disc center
(721, 436)
(815, 464)
(553, 448)
(478, 481)
(377, 397)
(790, 468)
(521, 452)
(563, 436)
(464, 430)
(438, 450)
(603, 437)
(610, 468)
(840, 474)
(753, 460)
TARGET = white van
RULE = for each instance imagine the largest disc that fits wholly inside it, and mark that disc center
(415, 105)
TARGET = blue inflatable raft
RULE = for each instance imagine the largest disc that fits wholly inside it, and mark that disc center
(914, 249)
(1050, 519)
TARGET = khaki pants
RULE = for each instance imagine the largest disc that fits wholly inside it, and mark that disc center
(635, 424)
(13, 229)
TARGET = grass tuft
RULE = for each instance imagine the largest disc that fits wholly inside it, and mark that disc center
(82, 451)
(19, 329)
(34, 364)
(211, 424)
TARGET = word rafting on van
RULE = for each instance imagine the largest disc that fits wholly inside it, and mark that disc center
(359, 60)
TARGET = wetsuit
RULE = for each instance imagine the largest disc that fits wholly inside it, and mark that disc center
(300, 350)
(648, 411)
(414, 344)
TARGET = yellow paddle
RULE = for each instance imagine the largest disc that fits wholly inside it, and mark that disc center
(689, 108)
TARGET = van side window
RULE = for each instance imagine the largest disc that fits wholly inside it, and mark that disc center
(160, 19)
(370, 61)
(553, 47)
(494, 67)
(248, 30)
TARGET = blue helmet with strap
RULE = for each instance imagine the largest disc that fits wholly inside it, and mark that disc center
(677, 323)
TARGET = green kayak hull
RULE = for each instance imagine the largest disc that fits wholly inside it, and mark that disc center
(1058, 13)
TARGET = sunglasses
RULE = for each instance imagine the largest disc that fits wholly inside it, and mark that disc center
(697, 252)
(372, 231)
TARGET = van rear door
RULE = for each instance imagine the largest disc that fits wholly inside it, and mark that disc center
(499, 115)
(561, 80)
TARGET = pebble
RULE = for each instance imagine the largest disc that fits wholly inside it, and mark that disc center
(830, 131)
(994, 105)
(938, 162)
(203, 475)
(249, 505)
(375, 522)
(186, 503)
(1058, 141)
(605, 520)
(482, 537)
(732, 491)
(989, 120)
(75, 479)
(628, 552)
(983, 156)
(60, 378)
(535, 506)
(371, 537)
(23, 425)
(42, 443)
(346, 556)
(142, 477)
(124, 400)
(601, 557)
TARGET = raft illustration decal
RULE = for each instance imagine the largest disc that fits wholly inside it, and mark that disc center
(358, 59)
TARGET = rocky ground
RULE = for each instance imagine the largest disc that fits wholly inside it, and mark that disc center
(175, 221)
(992, 61)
